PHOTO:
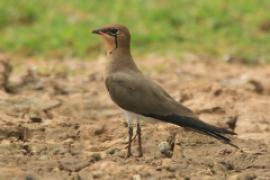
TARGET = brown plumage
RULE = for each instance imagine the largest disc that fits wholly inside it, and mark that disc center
(139, 95)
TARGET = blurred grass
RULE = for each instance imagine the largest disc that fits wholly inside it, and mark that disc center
(61, 28)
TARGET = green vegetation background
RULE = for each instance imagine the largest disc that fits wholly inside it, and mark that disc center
(61, 28)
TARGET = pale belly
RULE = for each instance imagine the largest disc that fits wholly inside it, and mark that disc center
(132, 118)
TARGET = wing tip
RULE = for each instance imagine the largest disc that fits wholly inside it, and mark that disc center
(198, 126)
(222, 138)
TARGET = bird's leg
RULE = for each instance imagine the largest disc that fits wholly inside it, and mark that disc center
(171, 140)
(134, 135)
(139, 138)
(130, 135)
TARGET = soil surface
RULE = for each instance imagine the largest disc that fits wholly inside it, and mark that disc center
(58, 122)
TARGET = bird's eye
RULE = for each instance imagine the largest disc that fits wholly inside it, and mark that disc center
(114, 30)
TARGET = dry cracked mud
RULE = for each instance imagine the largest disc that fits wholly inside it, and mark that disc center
(57, 122)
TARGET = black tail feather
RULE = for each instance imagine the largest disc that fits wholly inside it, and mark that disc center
(220, 137)
(196, 125)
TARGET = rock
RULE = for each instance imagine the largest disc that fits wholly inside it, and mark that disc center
(165, 149)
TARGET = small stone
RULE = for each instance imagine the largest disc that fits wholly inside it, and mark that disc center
(165, 149)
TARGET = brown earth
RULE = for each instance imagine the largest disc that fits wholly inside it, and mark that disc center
(57, 122)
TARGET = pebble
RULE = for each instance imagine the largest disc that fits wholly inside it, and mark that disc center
(165, 149)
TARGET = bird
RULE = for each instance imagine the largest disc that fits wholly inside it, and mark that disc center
(139, 96)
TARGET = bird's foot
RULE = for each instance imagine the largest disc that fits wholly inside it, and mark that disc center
(129, 154)
(140, 153)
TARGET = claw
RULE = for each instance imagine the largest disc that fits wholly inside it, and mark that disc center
(128, 154)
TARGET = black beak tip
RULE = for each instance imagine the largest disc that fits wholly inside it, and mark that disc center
(96, 31)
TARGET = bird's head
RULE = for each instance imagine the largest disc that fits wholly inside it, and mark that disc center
(116, 37)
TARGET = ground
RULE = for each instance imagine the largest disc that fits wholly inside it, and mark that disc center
(57, 122)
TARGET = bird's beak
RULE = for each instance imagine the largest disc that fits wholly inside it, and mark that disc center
(97, 31)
